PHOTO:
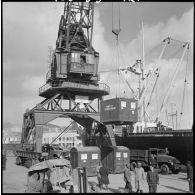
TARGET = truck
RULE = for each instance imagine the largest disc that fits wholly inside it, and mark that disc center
(55, 151)
(28, 157)
(160, 159)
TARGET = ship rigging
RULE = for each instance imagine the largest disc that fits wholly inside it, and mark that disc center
(148, 79)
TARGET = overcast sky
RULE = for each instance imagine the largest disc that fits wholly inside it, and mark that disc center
(29, 28)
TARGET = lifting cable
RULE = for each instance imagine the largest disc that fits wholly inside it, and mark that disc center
(128, 84)
(173, 54)
(62, 132)
(149, 82)
(184, 89)
(116, 32)
(122, 76)
(156, 96)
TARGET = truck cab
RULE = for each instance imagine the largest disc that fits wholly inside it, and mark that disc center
(162, 160)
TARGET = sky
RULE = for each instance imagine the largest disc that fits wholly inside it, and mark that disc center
(29, 28)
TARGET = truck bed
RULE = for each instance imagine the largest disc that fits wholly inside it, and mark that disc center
(139, 155)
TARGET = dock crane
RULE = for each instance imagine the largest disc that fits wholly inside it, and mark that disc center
(72, 83)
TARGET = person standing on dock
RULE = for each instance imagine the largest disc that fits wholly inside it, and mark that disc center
(104, 177)
(190, 176)
(139, 178)
(98, 174)
(127, 178)
(35, 182)
(152, 179)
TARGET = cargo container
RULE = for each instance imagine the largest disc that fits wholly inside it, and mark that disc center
(88, 157)
(119, 111)
(115, 158)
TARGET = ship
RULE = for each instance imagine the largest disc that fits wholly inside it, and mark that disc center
(145, 133)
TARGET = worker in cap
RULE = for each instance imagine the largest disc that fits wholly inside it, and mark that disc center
(152, 179)
(127, 178)
(98, 174)
(104, 176)
(190, 175)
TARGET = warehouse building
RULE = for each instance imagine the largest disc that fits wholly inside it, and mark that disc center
(68, 139)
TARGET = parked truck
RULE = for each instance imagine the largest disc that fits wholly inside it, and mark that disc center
(28, 158)
(158, 157)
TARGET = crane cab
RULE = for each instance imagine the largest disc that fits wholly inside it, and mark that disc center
(74, 65)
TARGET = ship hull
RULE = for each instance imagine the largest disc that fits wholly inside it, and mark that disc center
(180, 147)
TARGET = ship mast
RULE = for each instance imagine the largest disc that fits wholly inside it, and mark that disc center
(143, 69)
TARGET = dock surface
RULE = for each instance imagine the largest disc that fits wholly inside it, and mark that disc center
(15, 180)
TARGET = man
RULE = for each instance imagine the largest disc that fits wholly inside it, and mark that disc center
(98, 174)
(152, 159)
(139, 177)
(190, 175)
(127, 178)
(35, 182)
(152, 179)
(167, 151)
(104, 177)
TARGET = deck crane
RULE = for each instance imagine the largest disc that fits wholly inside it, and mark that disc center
(155, 78)
(184, 89)
(153, 72)
(186, 46)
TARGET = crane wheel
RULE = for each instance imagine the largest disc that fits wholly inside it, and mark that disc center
(164, 169)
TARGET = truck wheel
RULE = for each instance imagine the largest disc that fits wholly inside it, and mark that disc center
(18, 160)
(164, 169)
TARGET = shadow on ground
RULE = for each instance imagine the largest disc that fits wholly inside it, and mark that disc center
(173, 188)
(92, 183)
(114, 190)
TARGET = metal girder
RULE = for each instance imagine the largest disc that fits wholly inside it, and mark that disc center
(38, 137)
(27, 128)
(44, 116)
(41, 117)
(52, 108)
(76, 26)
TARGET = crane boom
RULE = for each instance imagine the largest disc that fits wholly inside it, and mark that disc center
(168, 91)
(167, 41)
(76, 26)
